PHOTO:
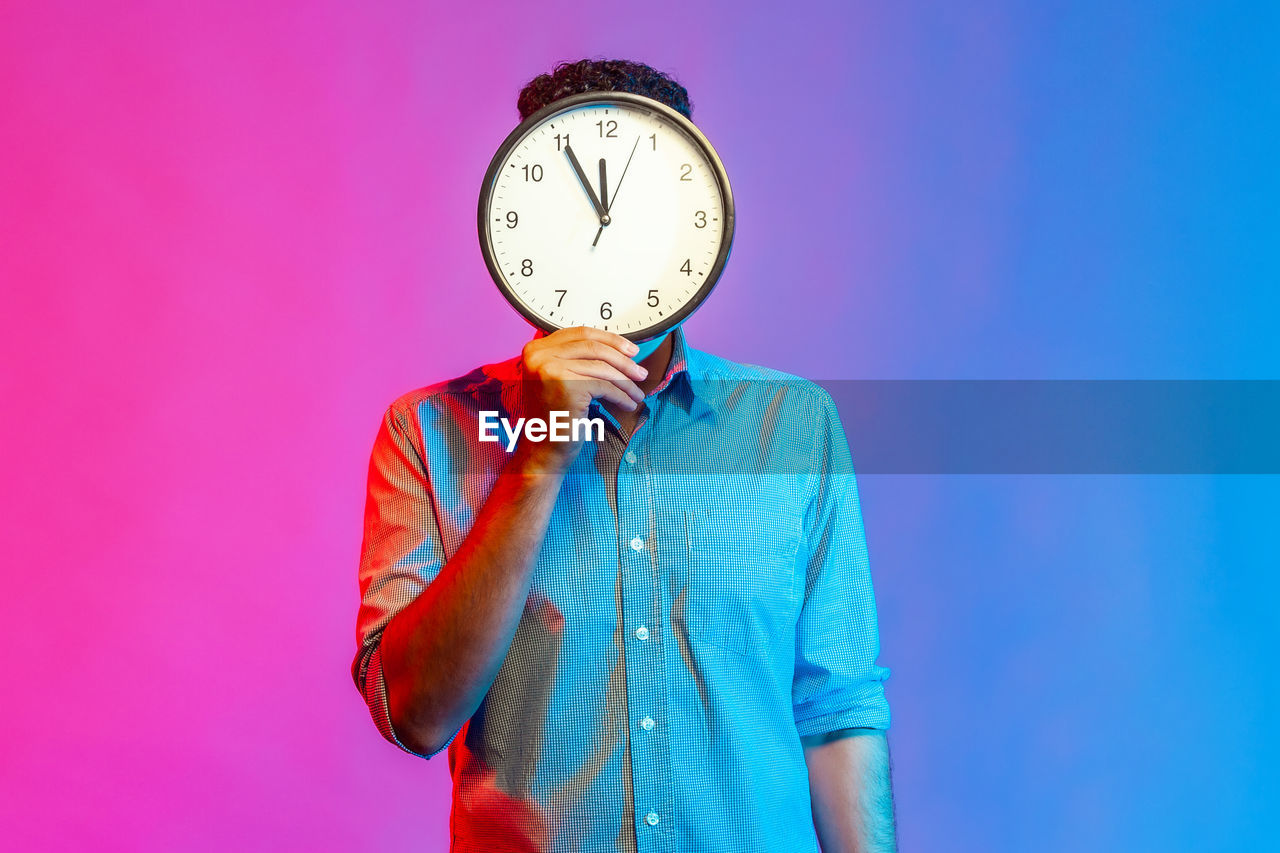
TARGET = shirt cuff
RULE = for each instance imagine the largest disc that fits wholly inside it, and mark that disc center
(871, 712)
(375, 695)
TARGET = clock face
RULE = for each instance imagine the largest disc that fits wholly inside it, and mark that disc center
(608, 210)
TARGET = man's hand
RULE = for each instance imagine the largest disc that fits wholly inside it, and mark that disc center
(564, 371)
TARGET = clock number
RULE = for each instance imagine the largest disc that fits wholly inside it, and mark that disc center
(653, 299)
(561, 299)
(534, 172)
(560, 145)
(654, 137)
(612, 132)
(526, 267)
(700, 219)
(513, 219)
(686, 269)
(685, 171)
(605, 311)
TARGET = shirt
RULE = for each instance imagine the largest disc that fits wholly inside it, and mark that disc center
(701, 600)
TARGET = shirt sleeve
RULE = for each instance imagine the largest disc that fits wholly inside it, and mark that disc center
(401, 553)
(837, 683)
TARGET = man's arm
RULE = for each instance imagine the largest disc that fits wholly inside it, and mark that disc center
(442, 651)
(840, 707)
(851, 791)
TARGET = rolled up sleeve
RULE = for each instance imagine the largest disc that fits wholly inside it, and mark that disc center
(401, 553)
(838, 683)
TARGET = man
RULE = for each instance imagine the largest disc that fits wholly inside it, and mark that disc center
(663, 640)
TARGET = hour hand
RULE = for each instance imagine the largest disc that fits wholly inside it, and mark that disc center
(586, 185)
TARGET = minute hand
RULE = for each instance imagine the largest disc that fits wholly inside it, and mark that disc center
(586, 185)
(613, 197)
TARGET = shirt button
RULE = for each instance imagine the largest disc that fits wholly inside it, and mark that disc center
(647, 724)
(651, 818)
(630, 457)
(637, 544)
(642, 633)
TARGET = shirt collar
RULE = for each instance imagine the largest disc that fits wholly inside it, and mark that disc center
(686, 370)
(682, 379)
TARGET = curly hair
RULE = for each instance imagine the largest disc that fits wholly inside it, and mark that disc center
(608, 75)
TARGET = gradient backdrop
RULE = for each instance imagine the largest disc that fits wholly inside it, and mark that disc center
(231, 233)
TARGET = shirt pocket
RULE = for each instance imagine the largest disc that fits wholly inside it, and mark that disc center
(742, 557)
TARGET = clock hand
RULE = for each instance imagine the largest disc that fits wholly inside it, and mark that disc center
(591, 193)
(604, 200)
(624, 175)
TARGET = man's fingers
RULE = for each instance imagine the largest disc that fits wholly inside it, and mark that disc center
(588, 333)
(598, 351)
(601, 389)
(606, 371)
(600, 360)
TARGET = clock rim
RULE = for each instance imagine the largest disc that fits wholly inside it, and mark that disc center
(604, 98)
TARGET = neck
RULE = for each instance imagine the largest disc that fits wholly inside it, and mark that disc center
(656, 363)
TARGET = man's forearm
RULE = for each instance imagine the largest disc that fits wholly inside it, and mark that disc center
(851, 791)
(441, 653)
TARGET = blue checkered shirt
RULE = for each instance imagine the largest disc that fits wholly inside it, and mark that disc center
(701, 600)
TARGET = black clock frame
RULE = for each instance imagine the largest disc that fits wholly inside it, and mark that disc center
(600, 98)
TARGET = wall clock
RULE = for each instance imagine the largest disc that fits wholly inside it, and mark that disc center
(606, 209)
